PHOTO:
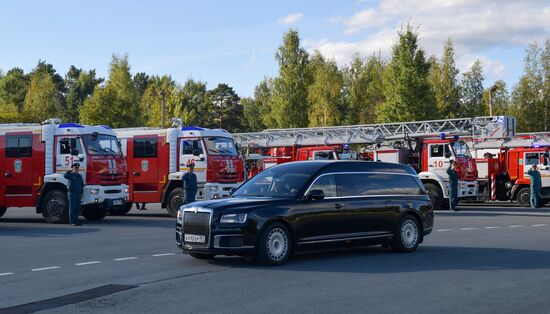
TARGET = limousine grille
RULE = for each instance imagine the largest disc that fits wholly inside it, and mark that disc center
(197, 224)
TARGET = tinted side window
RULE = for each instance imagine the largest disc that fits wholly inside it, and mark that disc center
(145, 147)
(327, 184)
(436, 151)
(19, 146)
(378, 184)
(531, 158)
(187, 147)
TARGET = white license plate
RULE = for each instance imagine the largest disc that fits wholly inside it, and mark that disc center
(195, 238)
(117, 202)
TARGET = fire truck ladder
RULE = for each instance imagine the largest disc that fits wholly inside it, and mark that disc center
(483, 127)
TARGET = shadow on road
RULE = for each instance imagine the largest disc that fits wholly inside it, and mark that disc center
(426, 258)
(44, 231)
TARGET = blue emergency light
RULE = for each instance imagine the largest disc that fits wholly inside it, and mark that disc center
(456, 137)
(442, 136)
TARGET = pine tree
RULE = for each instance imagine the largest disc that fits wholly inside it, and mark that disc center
(443, 79)
(289, 100)
(408, 96)
(471, 92)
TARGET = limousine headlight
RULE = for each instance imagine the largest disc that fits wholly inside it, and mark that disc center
(233, 219)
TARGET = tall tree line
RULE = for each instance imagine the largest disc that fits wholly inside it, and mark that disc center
(309, 90)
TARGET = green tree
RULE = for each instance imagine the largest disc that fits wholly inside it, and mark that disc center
(289, 95)
(151, 101)
(363, 89)
(263, 97)
(226, 108)
(194, 106)
(408, 96)
(324, 93)
(80, 86)
(499, 98)
(41, 101)
(252, 115)
(443, 79)
(471, 91)
(115, 104)
(141, 81)
(13, 88)
(528, 101)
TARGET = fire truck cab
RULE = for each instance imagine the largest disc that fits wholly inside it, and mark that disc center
(158, 159)
(34, 158)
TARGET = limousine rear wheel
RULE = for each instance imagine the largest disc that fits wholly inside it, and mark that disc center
(407, 235)
(275, 245)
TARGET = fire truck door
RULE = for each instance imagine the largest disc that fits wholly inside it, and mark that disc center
(144, 169)
(192, 150)
(18, 170)
(68, 151)
(538, 159)
(438, 160)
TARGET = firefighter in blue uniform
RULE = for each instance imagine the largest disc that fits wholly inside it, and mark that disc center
(453, 186)
(536, 184)
(76, 188)
(189, 183)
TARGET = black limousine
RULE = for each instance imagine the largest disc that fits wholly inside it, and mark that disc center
(300, 205)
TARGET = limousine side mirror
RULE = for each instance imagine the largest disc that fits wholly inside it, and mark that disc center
(315, 195)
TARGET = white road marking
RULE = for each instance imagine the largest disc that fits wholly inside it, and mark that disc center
(6, 274)
(468, 228)
(493, 227)
(445, 229)
(45, 268)
(125, 258)
(88, 263)
(163, 254)
(516, 226)
(538, 225)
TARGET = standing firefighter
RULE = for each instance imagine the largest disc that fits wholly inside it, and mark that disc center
(453, 186)
(189, 184)
(536, 184)
(76, 188)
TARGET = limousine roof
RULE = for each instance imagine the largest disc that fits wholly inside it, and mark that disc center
(326, 166)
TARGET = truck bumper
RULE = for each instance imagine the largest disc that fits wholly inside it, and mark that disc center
(114, 195)
(467, 189)
(217, 190)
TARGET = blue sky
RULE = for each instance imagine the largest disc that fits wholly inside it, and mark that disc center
(234, 42)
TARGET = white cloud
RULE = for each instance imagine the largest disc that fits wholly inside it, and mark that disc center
(491, 67)
(290, 19)
(475, 26)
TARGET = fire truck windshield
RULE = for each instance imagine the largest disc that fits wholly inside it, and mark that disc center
(461, 149)
(101, 144)
(220, 146)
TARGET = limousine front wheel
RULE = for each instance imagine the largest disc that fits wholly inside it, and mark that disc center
(407, 235)
(274, 245)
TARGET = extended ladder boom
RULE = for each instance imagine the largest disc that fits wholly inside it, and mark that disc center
(483, 127)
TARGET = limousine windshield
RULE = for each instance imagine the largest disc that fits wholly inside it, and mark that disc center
(274, 182)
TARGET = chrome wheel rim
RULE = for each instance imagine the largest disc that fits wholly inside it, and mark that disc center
(409, 234)
(277, 244)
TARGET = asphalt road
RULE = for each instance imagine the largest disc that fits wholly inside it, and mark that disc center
(479, 260)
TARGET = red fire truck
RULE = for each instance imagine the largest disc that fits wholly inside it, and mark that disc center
(158, 158)
(279, 155)
(428, 146)
(503, 165)
(34, 157)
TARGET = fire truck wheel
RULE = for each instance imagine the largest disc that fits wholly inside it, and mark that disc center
(55, 207)
(2, 211)
(121, 210)
(435, 195)
(175, 200)
(524, 197)
(93, 213)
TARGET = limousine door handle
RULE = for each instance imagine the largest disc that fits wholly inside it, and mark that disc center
(338, 206)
